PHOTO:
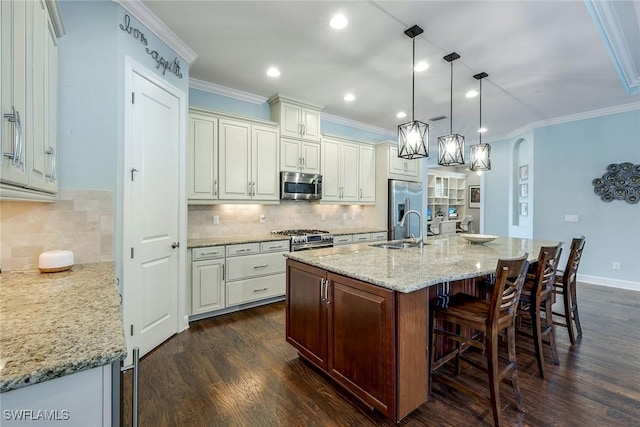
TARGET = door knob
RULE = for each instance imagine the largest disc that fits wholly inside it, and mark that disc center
(175, 245)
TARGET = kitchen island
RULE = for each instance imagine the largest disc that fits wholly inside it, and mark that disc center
(360, 313)
(61, 343)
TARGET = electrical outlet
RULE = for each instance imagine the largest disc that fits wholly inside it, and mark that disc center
(571, 218)
(216, 220)
(263, 219)
(323, 216)
(616, 265)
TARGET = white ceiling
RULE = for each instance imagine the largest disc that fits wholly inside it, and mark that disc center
(545, 59)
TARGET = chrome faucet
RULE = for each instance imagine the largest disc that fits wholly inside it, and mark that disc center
(419, 240)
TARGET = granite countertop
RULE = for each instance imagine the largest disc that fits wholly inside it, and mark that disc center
(232, 240)
(57, 324)
(443, 258)
(343, 231)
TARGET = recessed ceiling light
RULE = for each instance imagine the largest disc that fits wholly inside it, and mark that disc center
(349, 97)
(472, 94)
(273, 72)
(401, 115)
(421, 66)
(482, 130)
(338, 22)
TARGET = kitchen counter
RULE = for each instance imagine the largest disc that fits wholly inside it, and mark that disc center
(232, 240)
(57, 324)
(442, 259)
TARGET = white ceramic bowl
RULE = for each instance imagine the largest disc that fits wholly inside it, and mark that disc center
(479, 238)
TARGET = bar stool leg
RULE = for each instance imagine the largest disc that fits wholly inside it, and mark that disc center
(511, 343)
(537, 335)
(494, 380)
(551, 331)
(574, 308)
(568, 313)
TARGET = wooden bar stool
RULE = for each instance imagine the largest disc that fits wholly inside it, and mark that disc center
(487, 319)
(565, 285)
(537, 297)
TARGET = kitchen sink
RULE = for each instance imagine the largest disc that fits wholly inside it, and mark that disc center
(395, 245)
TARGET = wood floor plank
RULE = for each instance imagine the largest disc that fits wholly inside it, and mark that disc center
(237, 370)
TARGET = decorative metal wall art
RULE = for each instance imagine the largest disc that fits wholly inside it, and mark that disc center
(620, 182)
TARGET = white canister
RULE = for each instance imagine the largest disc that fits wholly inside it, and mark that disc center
(55, 261)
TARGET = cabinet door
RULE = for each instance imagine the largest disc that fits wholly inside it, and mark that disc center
(306, 327)
(361, 340)
(331, 190)
(37, 154)
(290, 155)
(349, 172)
(367, 174)
(203, 157)
(207, 286)
(235, 159)
(400, 166)
(51, 113)
(310, 157)
(14, 90)
(310, 120)
(290, 120)
(264, 159)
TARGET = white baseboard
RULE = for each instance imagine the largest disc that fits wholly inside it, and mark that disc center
(613, 283)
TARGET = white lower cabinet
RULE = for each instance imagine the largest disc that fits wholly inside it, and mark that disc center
(347, 239)
(379, 236)
(225, 278)
(80, 399)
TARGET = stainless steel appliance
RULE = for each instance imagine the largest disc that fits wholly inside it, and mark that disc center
(403, 197)
(300, 186)
(307, 239)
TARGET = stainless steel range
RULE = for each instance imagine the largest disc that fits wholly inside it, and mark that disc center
(307, 239)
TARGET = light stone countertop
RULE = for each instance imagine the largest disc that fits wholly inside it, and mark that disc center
(443, 258)
(56, 324)
(233, 240)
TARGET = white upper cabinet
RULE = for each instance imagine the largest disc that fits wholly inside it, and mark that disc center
(203, 157)
(29, 98)
(400, 166)
(297, 119)
(348, 171)
(299, 156)
(248, 161)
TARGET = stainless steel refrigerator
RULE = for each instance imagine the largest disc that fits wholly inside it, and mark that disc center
(403, 197)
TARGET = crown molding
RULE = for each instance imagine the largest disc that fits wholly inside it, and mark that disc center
(159, 28)
(617, 36)
(226, 91)
(571, 118)
(56, 17)
(358, 125)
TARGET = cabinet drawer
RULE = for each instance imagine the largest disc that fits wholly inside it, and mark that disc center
(243, 249)
(255, 289)
(380, 236)
(208, 252)
(255, 265)
(279, 246)
(359, 238)
(343, 240)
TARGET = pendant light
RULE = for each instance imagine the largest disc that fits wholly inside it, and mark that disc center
(480, 154)
(451, 147)
(413, 137)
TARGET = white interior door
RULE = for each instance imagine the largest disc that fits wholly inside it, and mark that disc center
(151, 214)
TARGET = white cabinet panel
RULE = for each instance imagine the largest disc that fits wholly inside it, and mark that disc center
(348, 171)
(255, 266)
(310, 124)
(367, 173)
(203, 157)
(235, 160)
(331, 183)
(345, 239)
(264, 159)
(361, 238)
(400, 166)
(207, 286)
(249, 290)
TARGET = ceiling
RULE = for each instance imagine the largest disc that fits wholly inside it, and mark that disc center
(545, 59)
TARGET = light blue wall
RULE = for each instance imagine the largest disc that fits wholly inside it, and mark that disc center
(91, 100)
(345, 131)
(200, 98)
(565, 159)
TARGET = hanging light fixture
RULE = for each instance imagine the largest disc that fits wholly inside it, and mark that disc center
(413, 137)
(451, 147)
(480, 154)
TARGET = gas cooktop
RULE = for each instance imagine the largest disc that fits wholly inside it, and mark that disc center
(300, 232)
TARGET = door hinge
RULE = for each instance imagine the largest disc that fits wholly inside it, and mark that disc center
(133, 97)
(131, 253)
(132, 330)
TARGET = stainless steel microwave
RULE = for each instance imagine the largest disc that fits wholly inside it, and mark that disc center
(300, 186)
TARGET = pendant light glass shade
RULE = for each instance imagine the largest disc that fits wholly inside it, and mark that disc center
(413, 137)
(451, 147)
(480, 154)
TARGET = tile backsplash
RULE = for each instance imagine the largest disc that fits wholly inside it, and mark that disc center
(245, 219)
(80, 221)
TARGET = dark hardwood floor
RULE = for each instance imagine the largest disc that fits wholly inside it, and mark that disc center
(237, 370)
